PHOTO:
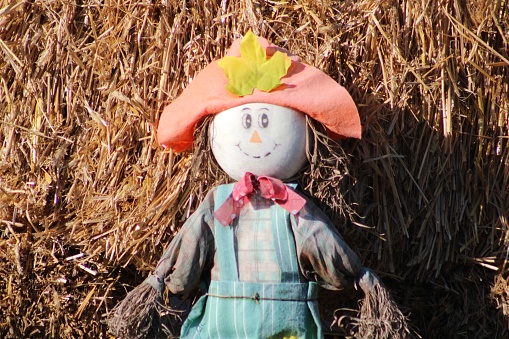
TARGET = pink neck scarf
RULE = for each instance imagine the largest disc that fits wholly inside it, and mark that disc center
(269, 188)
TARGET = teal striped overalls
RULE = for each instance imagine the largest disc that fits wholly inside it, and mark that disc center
(234, 309)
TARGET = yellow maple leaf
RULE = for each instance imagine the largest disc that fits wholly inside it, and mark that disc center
(252, 69)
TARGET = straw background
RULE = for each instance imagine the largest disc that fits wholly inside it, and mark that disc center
(88, 201)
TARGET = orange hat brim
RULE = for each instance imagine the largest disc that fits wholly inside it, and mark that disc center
(305, 89)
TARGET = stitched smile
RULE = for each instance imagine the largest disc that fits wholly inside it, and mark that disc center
(257, 156)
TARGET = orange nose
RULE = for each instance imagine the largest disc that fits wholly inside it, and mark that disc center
(255, 138)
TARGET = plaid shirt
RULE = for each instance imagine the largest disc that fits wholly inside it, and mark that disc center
(322, 254)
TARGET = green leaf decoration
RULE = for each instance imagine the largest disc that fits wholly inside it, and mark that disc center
(252, 69)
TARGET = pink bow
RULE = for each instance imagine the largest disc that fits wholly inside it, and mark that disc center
(270, 188)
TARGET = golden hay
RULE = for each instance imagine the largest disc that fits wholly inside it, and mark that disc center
(88, 201)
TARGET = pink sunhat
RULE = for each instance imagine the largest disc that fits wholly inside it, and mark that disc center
(301, 87)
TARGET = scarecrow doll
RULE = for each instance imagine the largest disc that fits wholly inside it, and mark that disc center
(259, 248)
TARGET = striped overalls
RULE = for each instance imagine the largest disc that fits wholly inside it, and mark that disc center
(239, 309)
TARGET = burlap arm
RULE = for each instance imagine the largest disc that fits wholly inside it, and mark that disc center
(323, 255)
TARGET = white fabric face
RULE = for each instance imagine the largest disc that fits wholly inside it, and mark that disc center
(264, 139)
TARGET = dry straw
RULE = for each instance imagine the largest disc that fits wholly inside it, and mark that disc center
(88, 201)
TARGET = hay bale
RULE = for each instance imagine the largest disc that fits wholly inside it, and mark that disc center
(88, 201)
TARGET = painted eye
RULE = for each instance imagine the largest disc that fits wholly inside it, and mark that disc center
(263, 120)
(246, 120)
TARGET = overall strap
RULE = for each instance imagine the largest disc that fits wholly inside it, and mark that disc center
(225, 245)
(284, 243)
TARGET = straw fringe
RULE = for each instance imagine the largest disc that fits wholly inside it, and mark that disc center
(138, 316)
(379, 316)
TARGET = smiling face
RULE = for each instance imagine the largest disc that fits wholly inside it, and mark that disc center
(263, 139)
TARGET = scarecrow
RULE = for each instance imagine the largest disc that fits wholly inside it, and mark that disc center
(259, 248)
